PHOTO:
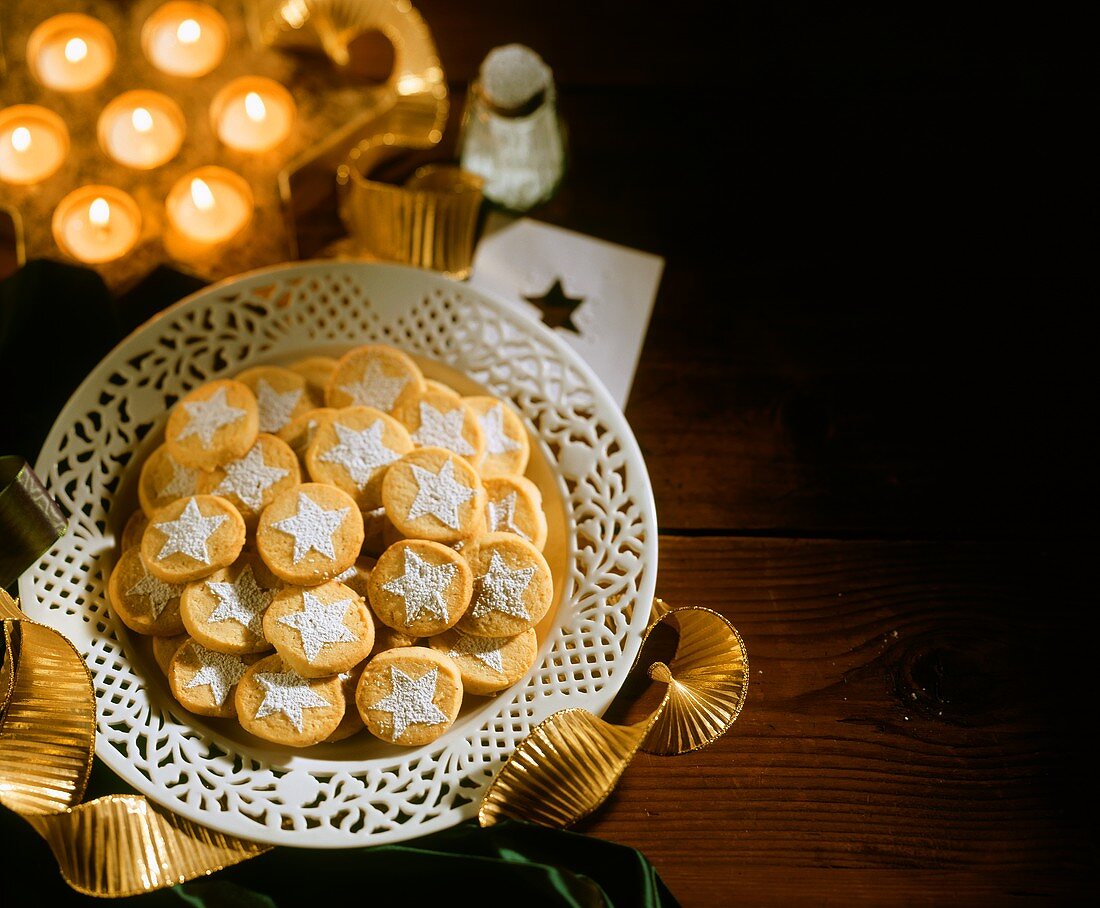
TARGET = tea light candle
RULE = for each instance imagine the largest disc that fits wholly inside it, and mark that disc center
(33, 143)
(253, 114)
(209, 206)
(71, 52)
(141, 129)
(183, 38)
(97, 224)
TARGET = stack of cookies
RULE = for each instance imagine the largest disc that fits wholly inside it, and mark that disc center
(336, 545)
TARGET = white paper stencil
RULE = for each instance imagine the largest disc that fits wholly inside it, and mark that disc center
(597, 296)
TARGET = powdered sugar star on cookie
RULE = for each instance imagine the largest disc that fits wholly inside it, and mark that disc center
(497, 440)
(242, 600)
(485, 649)
(375, 388)
(439, 494)
(501, 589)
(205, 417)
(320, 623)
(188, 533)
(219, 670)
(249, 477)
(422, 586)
(156, 591)
(442, 430)
(275, 407)
(502, 515)
(182, 482)
(410, 701)
(287, 693)
(360, 453)
(312, 527)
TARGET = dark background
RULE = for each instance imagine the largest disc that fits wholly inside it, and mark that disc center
(865, 406)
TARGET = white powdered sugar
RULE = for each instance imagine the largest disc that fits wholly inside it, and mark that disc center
(188, 533)
(497, 441)
(422, 586)
(442, 430)
(275, 407)
(501, 589)
(220, 671)
(501, 516)
(205, 417)
(249, 478)
(242, 600)
(287, 693)
(360, 452)
(319, 623)
(155, 591)
(410, 701)
(182, 483)
(439, 494)
(312, 527)
(375, 388)
(485, 649)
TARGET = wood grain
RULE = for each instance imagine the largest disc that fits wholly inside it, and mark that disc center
(904, 737)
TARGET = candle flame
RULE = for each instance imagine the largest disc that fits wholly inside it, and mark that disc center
(189, 31)
(254, 107)
(142, 119)
(76, 49)
(99, 212)
(295, 13)
(201, 195)
(21, 138)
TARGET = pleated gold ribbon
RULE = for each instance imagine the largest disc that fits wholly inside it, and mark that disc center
(123, 845)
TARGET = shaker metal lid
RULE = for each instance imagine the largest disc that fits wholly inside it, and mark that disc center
(514, 80)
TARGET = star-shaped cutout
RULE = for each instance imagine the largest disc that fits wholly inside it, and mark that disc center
(155, 591)
(242, 600)
(376, 388)
(410, 701)
(422, 586)
(275, 407)
(557, 307)
(287, 693)
(249, 477)
(182, 482)
(485, 649)
(319, 623)
(442, 430)
(501, 516)
(205, 417)
(497, 440)
(219, 670)
(312, 527)
(360, 452)
(188, 533)
(501, 590)
(439, 494)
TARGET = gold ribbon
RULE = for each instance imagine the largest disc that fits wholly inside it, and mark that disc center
(113, 846)
(569, 764)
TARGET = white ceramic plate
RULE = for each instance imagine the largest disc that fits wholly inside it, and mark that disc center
(360, 791)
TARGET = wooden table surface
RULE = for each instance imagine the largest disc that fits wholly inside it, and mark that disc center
(860, 404)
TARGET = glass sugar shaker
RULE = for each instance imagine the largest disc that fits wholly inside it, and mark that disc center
(511, 133)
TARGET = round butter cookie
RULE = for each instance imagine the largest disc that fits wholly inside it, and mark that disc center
(164, 480)
(203, 680)
(373, 376)
(514, 505)
(164, 648)
(133, 530)
(430, 384)
(352, 723)
(488, 664)
(192, 538)
(277, 704)
(409, 696)
(431, 493)
(317, 371)
(320, 630)
(310, 533)
(299, 432)
(142, 602)
(280, 395)
(420, 588)
(353, 450)
(507, 448)
(215, 423)
(253, 481)
(513, 587)
(225, 611)
(438, 420)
